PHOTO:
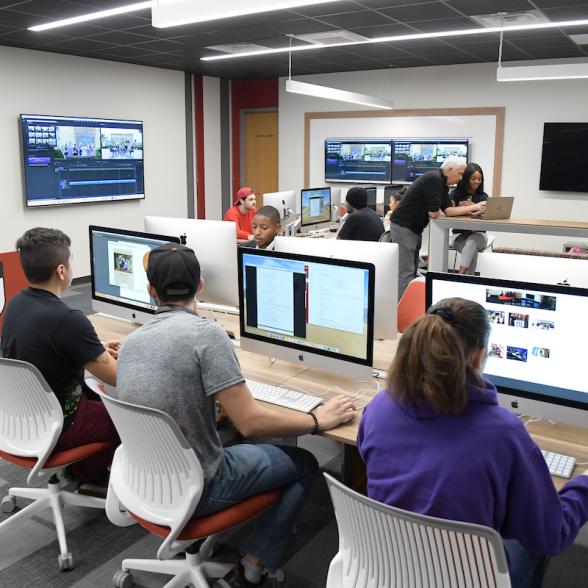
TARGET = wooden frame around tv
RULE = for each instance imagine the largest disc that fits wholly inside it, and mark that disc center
(497, 112)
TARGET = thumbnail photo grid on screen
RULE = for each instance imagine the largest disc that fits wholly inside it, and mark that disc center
(524, 314)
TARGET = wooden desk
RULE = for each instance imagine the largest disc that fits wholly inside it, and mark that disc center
(439, 235)
(554, 437)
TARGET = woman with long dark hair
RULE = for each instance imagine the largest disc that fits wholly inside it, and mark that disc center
(469, 190)
(437, 443)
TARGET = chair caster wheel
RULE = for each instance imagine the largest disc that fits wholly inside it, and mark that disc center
(122, 579)
(65, 562)
(8, 504)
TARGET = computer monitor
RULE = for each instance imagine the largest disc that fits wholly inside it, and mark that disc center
(536, 350)
(371, 197)
(384, 256)
(411, 158)
(215, 245)
(313, 311)
(284, 202)
(119, 279)
(315, 207)
(357, 160)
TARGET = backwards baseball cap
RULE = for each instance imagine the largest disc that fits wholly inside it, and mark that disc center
(173, 270)
(242, 193)
(357, 197)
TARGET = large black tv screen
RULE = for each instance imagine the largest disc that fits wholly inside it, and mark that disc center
(411, 158)
(68, 160)
(564, 163)
(358, 160)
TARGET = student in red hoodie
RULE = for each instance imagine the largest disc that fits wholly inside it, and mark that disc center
(242, 213)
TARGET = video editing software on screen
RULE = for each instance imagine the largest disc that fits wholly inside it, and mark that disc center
(71, 160)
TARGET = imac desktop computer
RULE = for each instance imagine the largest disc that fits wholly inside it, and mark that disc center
(536, 354)
(119, 278)
(372, 197)
(312, 311)
(384, 256)
(215, 245)
(284, 202)
(315, 209)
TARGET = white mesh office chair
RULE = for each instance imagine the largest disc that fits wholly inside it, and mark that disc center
(31, 420)
(157, 478)
(385, 547)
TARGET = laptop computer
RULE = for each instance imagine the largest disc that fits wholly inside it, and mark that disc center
(498, 208)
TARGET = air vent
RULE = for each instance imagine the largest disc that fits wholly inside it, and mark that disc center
(511, 18)
(579, 39)
(237, 47)
(334, 37)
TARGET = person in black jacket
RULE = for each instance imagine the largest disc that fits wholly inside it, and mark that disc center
(361, 223)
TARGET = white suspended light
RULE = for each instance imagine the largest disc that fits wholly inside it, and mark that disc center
(528, 73)
(92, 16)
(317, 91)
(171, 13)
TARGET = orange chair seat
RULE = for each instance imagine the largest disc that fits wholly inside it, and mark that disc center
(219, 521)
(59, 458)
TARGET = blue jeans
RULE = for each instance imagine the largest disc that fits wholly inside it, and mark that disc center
(247, 470)
(526, 569)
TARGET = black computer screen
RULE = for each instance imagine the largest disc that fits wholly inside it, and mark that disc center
(411, 158)
(563, 159)
(357, 160)
(68, 160)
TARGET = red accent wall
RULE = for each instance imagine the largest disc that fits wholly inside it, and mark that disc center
(199, 145)
(248, 95)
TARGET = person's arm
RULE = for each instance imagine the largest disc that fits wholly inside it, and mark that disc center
(540, 518)
(253, 419)
(348, 228)
(103, 367)
(464, 210)
(432, 190)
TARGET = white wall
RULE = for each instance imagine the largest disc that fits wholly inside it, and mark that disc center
(528, 105)
(212, 148)
(36, 82)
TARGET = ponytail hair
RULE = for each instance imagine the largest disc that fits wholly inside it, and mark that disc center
(431, 363)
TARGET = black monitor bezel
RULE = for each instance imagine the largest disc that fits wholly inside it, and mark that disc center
(127, 233)
(314, 223)
(103, 200)
(516, 285)
(384, 141)
(368, 361)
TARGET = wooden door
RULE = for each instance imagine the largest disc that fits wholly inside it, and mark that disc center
(261, 152)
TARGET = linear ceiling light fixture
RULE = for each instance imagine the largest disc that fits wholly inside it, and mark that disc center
(92, 16)
(400, 38)
(533, 73)
(171, 13)
(294, 87)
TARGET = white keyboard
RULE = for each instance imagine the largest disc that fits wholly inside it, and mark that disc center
(558, 464)
(283, 396)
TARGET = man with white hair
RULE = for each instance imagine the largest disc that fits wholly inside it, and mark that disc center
(424, 199)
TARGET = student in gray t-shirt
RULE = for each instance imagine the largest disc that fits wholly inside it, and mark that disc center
(181, 363)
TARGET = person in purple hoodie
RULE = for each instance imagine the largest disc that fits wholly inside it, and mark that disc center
(436, 442)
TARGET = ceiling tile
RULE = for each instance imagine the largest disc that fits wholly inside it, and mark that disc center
(363, 18)
(445, 24)
(418, 12)
(475, 7)
(328, 8)
(577, 12)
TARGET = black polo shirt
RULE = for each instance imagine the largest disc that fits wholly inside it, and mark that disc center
(429, 193)
(362, 225)
(41, 329)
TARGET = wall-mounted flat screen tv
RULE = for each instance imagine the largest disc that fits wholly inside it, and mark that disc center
(358, 160)
(69, 160)
(411, 158)
(563, 159)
